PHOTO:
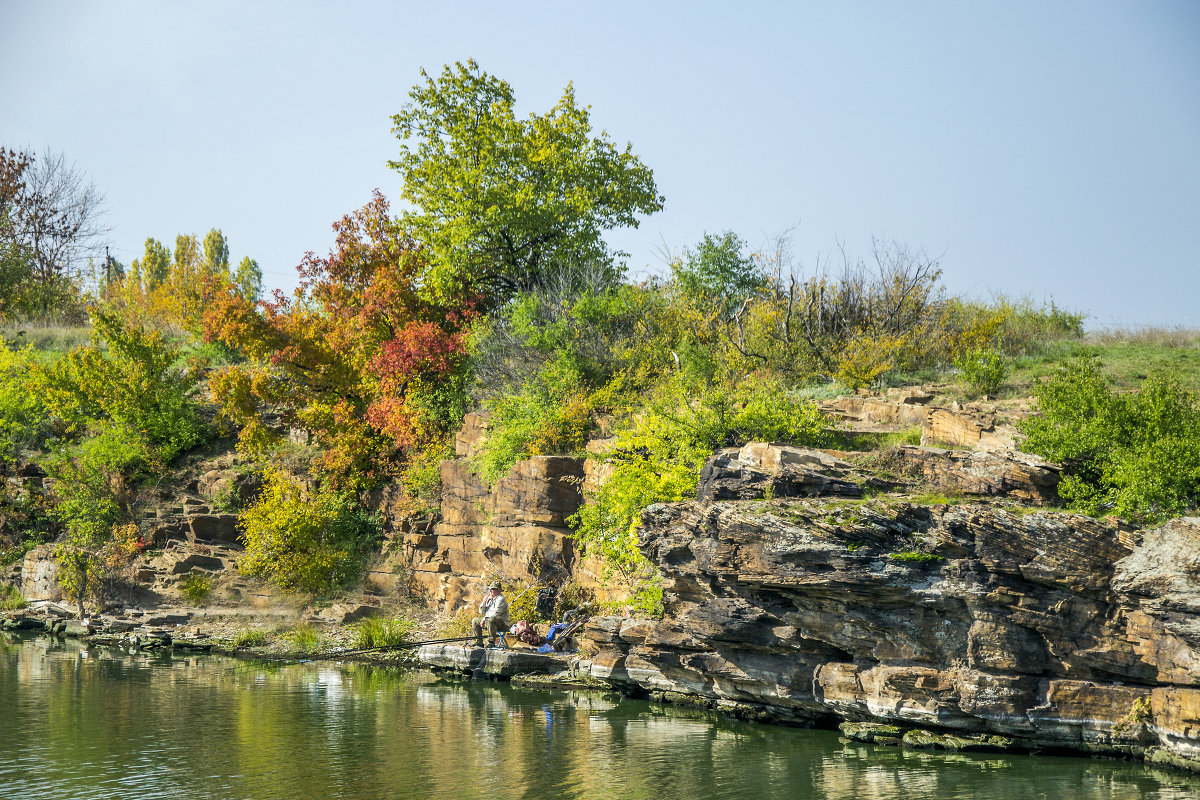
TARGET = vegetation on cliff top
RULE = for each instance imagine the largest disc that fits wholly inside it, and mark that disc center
(1135, 454)
(494, 289)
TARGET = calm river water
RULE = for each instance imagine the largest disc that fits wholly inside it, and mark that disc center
(101, 723)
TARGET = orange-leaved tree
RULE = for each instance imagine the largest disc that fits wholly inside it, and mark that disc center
(357, 358)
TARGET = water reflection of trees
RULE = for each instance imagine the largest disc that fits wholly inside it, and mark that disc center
(197, 726)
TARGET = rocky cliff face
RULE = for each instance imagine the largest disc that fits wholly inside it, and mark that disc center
(1007, 626)
(979, 425)
(516, 530)
(194, 532)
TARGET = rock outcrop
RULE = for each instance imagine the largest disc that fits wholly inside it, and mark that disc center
(39, 574)
(516, 530)
(1031, 629)
(976, 425)
(760, 470)
(983, 473)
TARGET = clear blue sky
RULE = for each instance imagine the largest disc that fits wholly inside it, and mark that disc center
(1049, 149)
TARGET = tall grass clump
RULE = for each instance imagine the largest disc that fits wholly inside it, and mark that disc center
(250, 638)
(1169, 338)
(383, 632)
(48, 337)
(10, 599)
(305, 639)
(456, 625)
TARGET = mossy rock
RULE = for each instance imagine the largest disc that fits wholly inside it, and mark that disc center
(683, 699)
(872, 732)
(559, 680)
(982, 743)
(1162, 757)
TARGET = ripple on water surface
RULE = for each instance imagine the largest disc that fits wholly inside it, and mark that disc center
(100, 723)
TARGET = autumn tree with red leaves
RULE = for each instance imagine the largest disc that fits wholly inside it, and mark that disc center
(370, 369)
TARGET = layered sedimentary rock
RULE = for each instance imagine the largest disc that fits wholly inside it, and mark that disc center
(982, 472)
(516, 530)
(1037, 628)
(190, 535)
(975, 425)
(865, 411)
(760, 470)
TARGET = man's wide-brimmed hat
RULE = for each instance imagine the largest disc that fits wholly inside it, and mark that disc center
(495, 585)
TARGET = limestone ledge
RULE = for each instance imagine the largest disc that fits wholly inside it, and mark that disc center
(496, 663)
(980, 625)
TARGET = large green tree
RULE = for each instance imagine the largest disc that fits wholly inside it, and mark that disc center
(718, 270)
(248, 279)
(216, 254)
(155, 265)
(498, 201)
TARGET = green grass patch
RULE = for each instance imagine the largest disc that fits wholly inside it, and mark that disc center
(1127, 359)
(55, 339)
(822, 391)
(250, 638)
(381, 632)
(10, 599)
(830, 505)
(305, 639)
(1026, 511)
(934, 499)
(915, 556)
(874, 441)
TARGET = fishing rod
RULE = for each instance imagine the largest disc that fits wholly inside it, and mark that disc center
(384, 647)
(360, 650)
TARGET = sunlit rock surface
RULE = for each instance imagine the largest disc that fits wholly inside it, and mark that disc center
(1045, 628)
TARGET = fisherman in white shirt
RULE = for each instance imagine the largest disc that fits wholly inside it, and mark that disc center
(494, 611)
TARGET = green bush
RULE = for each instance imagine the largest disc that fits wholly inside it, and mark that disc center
(22, 412)
(382, 632)
(982, 371)
(570, 595)
(1137, 455)
(126, 378)
(28, 522)
(226, 500)
(421, 477)
(549, 415)
(1028, 326)
(95, 471)
(313, 541)
(579, 315)
(195, 588)
(659, 450)
(543, 363)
